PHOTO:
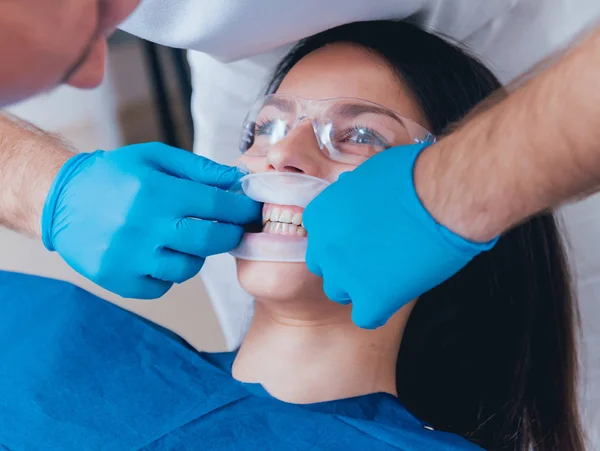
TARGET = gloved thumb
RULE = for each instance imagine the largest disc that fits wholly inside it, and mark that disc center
(367, 314)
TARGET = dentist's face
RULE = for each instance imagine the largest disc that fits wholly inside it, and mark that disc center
(44, 43)
(338, 70)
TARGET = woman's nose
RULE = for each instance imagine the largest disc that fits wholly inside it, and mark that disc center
(297, 152)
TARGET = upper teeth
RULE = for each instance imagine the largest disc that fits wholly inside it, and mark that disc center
(282, 214)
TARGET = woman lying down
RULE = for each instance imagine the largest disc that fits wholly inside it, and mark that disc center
(486, 360)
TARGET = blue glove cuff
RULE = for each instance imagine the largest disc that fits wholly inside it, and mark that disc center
(406, 161)
(64, 175)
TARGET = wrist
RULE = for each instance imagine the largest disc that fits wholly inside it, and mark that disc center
(30, 158)
(443, 189)
(46, 169)
(52, 198)
(28, 179)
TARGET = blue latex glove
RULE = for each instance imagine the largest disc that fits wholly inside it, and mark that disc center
(373, 242)
(138, 219)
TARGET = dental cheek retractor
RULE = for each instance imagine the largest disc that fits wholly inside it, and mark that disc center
(280, 190)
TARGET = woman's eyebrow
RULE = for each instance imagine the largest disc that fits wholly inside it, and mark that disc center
(355, 109)
(280, 103)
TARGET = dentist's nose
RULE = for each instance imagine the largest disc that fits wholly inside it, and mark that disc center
(298, 152)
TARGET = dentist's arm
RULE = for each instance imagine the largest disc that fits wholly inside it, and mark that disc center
(411, 217)
(533, 150)
(134, 220)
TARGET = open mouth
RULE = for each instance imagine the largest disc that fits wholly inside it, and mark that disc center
(283, 220)
(280, 238)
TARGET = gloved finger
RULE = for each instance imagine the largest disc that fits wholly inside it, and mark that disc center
(207, 202)
(313, 266)
(183, 164)
(145, 288)
(369, 315)
(312, 263)
(175, 267)
(204, 238)
(307, 214)
(322, 203)
(333, 291)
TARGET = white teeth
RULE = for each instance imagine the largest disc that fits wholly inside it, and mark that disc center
(266, 214)
(279, 228)
(278, 214)
(282, 221)
(275, 214)
(286, 216)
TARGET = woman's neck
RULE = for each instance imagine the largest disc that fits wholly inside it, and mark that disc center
(314, 360)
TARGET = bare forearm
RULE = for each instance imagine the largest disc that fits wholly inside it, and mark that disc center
(29, 161)
(532, 151)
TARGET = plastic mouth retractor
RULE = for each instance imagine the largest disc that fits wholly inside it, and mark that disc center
(279, 188)
(282, 188)
(264, 247)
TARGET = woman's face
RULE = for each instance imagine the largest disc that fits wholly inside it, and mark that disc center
(337, 70)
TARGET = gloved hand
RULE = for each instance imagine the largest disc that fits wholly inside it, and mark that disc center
(373, 242)
(138, 219)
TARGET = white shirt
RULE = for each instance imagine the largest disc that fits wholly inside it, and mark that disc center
(236, 43)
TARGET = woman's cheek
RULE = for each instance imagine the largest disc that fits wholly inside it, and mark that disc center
(340, 168)
(252, 164)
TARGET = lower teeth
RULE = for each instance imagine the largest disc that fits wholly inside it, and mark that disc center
(280, 228)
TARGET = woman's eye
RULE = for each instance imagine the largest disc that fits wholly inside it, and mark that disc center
(263, 128)
(274, 129)
(364, 136)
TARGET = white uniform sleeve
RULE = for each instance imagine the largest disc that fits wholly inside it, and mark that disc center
(236, 29)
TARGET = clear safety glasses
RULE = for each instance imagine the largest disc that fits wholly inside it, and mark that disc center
(348, 130)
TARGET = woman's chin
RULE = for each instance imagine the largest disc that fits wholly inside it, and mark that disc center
(279, 282)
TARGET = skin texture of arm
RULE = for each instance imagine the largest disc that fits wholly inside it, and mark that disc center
(29, 160)
(531, 151)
